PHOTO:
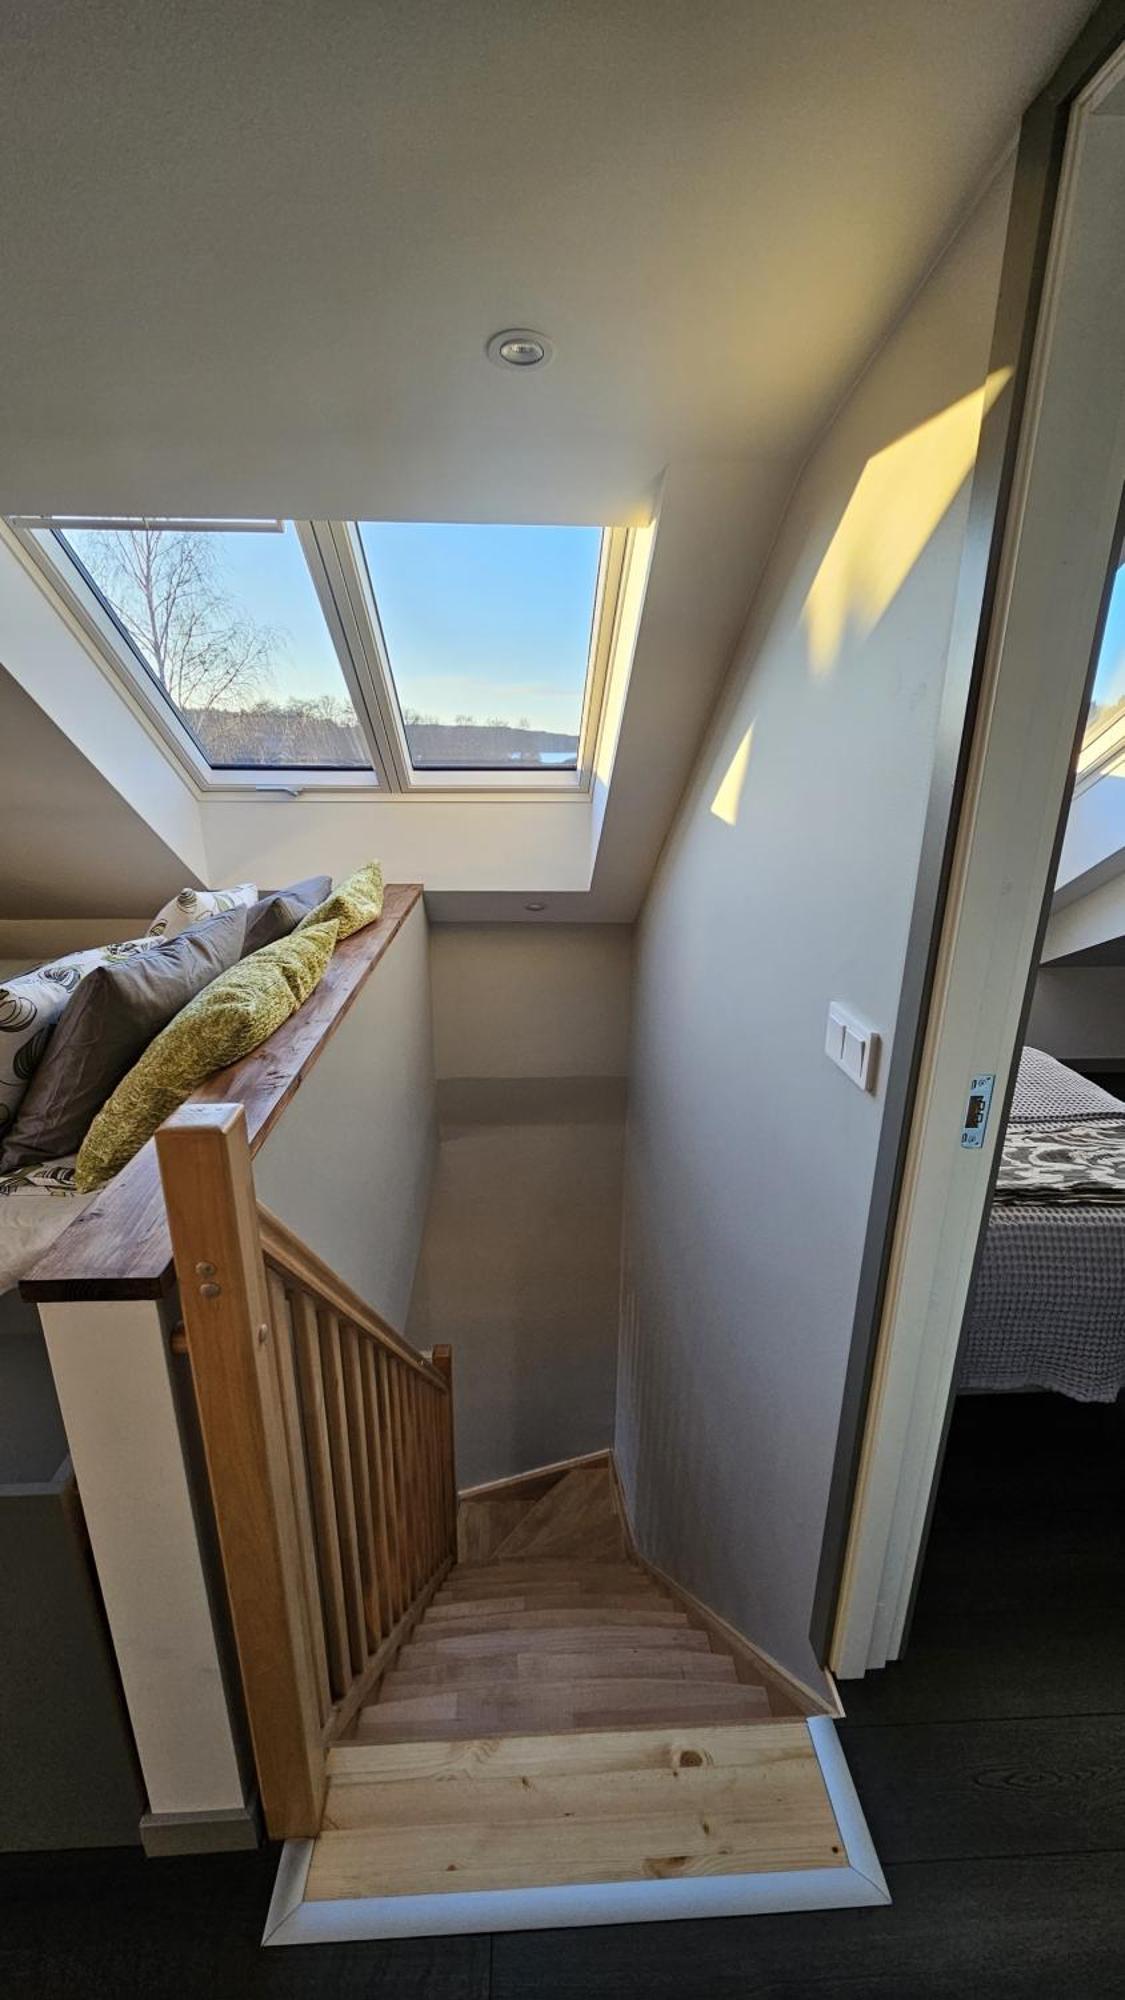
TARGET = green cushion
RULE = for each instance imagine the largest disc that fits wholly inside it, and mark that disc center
(232, 1016)
(353, 903)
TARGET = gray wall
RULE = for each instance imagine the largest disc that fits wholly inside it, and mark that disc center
(520, 1261)
(750, 1158)
(1079, 1011)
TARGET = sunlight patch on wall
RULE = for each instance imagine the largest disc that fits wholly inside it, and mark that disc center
(900, 497)
(728, 798)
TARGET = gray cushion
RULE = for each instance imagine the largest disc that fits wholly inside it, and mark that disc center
(105, 1027)
(279, 911)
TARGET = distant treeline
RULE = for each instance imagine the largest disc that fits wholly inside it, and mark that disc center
(324, 734)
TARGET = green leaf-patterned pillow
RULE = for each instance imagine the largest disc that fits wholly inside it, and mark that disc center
(353, 903)
(232, 1016)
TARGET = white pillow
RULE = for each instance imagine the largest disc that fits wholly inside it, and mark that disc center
(194, 906)
(29, 1009)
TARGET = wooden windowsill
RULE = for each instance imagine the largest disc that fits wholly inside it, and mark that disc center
(119, 1247)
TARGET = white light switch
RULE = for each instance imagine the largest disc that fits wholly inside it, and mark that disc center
(852, 1045)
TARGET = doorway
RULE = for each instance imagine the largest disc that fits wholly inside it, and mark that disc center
(1050, 605)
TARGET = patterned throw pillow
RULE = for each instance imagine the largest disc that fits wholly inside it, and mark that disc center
(118, 1009)
(192, 906)
(29, 1009)
(232, 1016)
(354, 903)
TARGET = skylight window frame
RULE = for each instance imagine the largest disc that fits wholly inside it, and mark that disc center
(122, 661)
(342, 551)
(338, 568)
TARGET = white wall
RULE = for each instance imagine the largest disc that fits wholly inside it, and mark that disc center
(520, 1261)
(787, 882)
(117, 817)
(349, 1165)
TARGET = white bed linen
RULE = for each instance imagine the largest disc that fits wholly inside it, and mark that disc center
(35, 1207)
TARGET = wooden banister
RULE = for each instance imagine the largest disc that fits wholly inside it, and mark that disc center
(329, 1445)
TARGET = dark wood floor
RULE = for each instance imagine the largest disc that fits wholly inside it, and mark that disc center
(991, 1763)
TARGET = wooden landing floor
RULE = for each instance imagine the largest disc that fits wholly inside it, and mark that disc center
(604, 1827)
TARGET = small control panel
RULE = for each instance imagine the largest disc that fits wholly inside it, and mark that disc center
(976, 1111)
(852, 1045)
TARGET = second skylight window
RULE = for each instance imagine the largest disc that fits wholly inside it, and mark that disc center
(488, 634)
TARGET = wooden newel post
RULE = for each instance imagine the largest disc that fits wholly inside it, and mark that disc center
(213, 1218)
(442, 1359)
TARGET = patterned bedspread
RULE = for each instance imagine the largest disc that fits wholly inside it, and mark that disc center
(1084, 1163)
(1047, 1309)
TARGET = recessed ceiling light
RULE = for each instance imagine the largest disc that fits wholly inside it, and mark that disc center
(519, 347)
(535, 906)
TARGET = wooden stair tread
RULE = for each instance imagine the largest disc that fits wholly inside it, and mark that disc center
(635, 1664)
(578, 1515)
(541, 1619)
(497, 1576)
(436, 1644)
(613, 1805)
(575, 1705)
(457, 1610)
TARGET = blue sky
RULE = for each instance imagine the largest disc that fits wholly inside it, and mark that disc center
(486, 621)
(1109, 682)
(478, 620)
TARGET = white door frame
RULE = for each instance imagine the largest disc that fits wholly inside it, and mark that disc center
(1057, 551)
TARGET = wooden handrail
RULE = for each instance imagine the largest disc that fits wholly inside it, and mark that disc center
(118, 1246)
(295, 1261)
(329, 1447)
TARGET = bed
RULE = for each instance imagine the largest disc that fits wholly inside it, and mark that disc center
(1047, 1310)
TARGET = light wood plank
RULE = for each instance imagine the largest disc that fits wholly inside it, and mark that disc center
(383, 1367)
(384, 1556)
(281, 1319)
(623, 1825)
(554, 1638)
(442, 1360)
(404, 1473)
(456, 1611)
(433, 1403)
(513, 1576)
(361, 1486)
(675, 1663)
(715, 1746)
(335, 1404)
(611, 1790)
(541, 1619)
(515, 1707)
(307, 1342)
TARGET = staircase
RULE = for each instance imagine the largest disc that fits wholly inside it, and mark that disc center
(555, 1630)
(477, 1716)
(562, 1740)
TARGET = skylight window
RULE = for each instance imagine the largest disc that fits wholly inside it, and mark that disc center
(1105, 724)
(377, 655)
(488, 634)
(227, 623)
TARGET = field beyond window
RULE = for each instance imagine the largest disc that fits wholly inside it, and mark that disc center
(229, 626)
(487, 632)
